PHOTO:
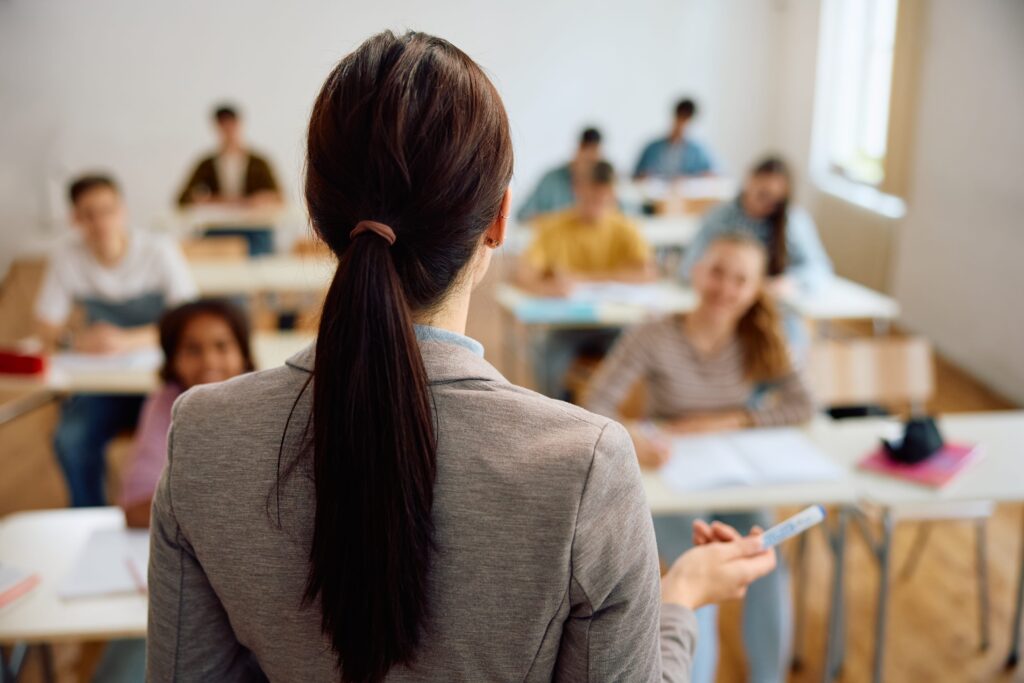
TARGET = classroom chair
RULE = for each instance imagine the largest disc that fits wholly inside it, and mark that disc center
(215, 249)
(18, 293)
(897, 372)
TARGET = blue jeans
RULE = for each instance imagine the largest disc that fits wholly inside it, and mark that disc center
(88, 423)
(123, 661)
(767, 609)
(260, 240)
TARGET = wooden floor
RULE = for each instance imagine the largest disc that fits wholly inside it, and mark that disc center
(933, 632)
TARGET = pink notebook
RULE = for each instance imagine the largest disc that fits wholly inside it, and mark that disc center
(937, 471)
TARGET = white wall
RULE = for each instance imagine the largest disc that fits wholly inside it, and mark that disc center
(128, 86)
(955, 260)
(960, 253)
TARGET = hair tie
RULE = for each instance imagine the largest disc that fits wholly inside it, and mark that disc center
(373, 226)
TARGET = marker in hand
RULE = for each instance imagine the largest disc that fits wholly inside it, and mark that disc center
(797, 524)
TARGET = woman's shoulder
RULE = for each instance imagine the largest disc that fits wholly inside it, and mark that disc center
(240, 409)
(537, 434)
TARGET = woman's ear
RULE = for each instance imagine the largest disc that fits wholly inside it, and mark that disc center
(494, 237)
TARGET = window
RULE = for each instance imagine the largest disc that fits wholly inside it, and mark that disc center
(853, 100)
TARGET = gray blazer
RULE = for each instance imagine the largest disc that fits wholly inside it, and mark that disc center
(546, 567)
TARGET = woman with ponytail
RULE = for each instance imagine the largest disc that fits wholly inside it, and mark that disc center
(724, 366)
(386, 506)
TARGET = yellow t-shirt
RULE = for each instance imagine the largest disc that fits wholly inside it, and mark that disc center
(562, 242)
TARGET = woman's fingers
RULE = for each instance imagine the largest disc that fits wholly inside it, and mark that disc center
(701, 532)
(724, 532)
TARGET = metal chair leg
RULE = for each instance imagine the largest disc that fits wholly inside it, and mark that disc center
(884, 552)
(924, 531)
(1013, 657)
(981, 567)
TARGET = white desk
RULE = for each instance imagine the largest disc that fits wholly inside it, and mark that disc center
(842, 299)
(998, 475)
(270, 349)
(262, 275)
(532, 310)
(821, 433)
(837, 299)
(203, 216)
(47, 543)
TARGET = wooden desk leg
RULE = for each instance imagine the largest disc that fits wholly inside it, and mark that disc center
(1014, 657)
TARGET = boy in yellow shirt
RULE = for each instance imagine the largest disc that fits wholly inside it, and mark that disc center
(590, 242)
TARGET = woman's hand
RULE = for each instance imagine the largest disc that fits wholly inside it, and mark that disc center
(704, 423)
(101, 338)
(704, 533)
(716, 571)
(780, 286)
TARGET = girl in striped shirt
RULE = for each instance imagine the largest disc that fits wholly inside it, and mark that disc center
(723, 366)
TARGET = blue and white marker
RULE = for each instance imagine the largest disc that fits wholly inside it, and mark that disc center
(797, 524)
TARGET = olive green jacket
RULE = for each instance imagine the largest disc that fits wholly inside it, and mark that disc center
(258, 178)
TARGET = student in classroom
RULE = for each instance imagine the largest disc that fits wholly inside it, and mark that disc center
(678, 154)
(203, 341)
(554, 192)
(234, 174)
(121, 280)
(591, 241)
(296, 499)
(725, 366)
(764, 209)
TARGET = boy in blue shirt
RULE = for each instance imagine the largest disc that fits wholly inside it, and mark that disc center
(554, 192)
(676, 155)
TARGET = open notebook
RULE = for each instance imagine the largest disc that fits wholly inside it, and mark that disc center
(112, 561)
(751, 457)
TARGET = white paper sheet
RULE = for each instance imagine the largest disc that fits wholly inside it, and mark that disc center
(112, 561)
(143, 359)
(747, 458)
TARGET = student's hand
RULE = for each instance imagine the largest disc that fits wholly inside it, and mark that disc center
(715, 572)
(780, 286)
(717, 532)
(651, 451)
(101, 338)
(557, 284)
(704, 423)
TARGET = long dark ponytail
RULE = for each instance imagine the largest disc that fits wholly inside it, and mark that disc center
(778, 258)
(407, 132)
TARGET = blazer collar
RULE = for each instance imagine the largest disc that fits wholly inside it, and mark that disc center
(444, 363)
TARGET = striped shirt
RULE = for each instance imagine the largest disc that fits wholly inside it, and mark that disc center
(681, 381)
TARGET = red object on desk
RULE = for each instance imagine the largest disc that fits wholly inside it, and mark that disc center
(14, 584)
(935, 471)
(13, 363)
